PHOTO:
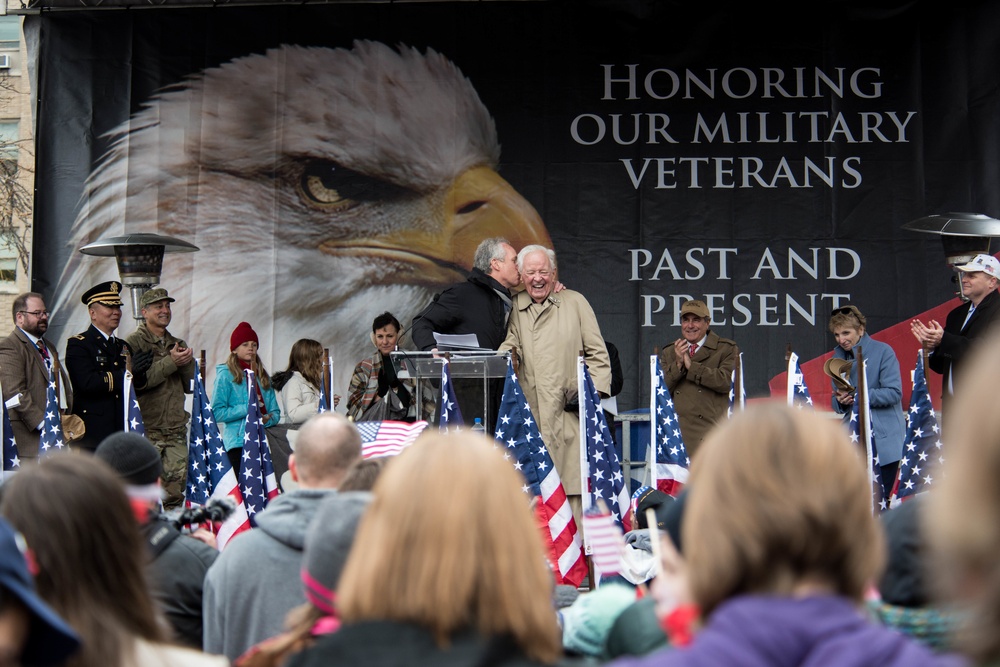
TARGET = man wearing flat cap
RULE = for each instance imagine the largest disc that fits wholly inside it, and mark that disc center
(161, 397)
(698, 370)
(96, 361)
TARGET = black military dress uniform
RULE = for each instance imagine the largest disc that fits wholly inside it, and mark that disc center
(96, 367)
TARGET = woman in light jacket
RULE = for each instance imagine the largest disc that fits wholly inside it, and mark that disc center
(300, 383)
(885, 388)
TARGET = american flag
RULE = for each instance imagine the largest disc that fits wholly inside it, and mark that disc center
(209, 472)
(600, 467)
(798, 392)
(256, 475)
(737, 390)
(451, 415)
(518, 433)
(922, 442)
(324, 400)
(324, 405)
(605, 539)
(11, 459)
(858, 408)
(51, 438)
(133, 416)
(668, 459)
(387, 438)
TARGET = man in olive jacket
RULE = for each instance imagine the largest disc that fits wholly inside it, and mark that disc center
(698, 369)
(161, 397)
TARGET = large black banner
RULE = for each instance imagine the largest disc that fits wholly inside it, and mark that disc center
(333, 162)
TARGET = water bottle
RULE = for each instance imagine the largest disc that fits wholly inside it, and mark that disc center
(477, 426)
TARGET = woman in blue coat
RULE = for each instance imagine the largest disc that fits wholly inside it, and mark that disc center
(229, 400)
(885, 388)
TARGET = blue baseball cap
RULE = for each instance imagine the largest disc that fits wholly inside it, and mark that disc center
(50, 639)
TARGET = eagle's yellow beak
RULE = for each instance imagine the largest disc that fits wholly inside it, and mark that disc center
(479, 205)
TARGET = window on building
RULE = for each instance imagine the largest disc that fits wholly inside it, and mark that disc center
(10, 32)
(8, 140)
(8, 259)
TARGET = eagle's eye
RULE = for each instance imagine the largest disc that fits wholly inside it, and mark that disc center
(330, 186)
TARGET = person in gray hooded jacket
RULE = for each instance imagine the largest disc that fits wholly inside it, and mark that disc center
(255, 580)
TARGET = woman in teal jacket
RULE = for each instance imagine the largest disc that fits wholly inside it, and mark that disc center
(229, 400)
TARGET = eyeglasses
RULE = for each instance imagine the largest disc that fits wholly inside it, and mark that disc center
(540, 274)
(847, 310)
(35, 313)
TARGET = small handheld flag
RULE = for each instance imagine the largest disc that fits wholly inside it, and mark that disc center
(605, 539)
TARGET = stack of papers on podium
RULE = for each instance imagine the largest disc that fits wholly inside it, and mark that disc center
(449, 342)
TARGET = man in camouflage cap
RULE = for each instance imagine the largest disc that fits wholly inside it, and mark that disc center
(161, 397)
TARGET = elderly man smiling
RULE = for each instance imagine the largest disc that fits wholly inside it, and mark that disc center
(549, 330)
(698, 368)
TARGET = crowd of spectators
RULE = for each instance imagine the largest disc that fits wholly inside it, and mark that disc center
(773, 553)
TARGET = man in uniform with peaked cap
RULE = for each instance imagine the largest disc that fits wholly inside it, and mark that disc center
(96, 360)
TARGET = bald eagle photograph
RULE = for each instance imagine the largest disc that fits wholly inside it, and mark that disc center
(323, 186)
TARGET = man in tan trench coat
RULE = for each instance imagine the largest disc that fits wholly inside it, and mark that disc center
(549, 330)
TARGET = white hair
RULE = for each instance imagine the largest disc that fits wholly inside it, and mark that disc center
(528, 249)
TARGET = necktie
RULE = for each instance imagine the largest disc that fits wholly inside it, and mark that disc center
(42, 349)
(692, 349)
(968, 316)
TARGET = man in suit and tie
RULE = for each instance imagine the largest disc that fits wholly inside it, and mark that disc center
(25, 359)
(698, 370)
(949, 346)
(97, 360)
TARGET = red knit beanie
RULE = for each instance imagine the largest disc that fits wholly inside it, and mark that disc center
(241, 334)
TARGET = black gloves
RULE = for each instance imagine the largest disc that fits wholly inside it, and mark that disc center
(140, 364)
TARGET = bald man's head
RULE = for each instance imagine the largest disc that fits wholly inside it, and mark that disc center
(327, 446)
